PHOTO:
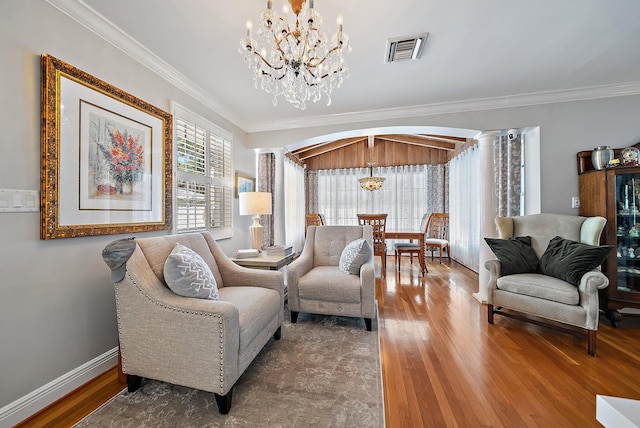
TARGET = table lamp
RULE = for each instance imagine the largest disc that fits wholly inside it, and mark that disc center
(255, 204)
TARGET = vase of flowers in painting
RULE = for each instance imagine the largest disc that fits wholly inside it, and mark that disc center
(124, 156)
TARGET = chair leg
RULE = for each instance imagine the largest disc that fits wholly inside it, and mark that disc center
(133, 382)
(398, 260)
(384, 264)
(367, 323)
(224, 402)
(490, 314)
(591, 342)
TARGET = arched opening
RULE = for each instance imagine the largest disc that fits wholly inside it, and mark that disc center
(352, 146)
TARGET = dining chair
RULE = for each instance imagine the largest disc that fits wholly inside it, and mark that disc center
(378, 223)
(411, 248)
(438, 235)
(313, 219)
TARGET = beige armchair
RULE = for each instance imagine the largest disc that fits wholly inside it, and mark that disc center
(545, 296)
(317, 285)
(194, 342)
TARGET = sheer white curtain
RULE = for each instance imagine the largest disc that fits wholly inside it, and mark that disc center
(294, 205)
(464, 207)
(408, 193)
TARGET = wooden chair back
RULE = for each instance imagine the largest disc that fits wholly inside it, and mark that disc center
(314, 219)
(438, 227)
(378, 223)
(438, 234)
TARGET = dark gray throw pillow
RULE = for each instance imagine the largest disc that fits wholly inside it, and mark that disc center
(570, 260)
(516, 254)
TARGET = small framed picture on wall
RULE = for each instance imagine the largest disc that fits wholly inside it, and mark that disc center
(244, 183)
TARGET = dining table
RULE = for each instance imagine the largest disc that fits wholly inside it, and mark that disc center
(410, 235)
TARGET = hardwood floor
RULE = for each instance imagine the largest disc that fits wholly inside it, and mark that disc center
(77, 404)
(444, 365)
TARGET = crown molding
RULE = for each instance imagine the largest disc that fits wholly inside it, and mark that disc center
(97, 23)
(519, 100)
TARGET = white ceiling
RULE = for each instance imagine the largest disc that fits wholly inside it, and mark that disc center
(489, 52)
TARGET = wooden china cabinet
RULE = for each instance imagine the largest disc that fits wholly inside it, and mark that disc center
(614, 193)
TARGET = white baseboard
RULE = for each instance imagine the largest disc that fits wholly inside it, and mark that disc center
(19, 410)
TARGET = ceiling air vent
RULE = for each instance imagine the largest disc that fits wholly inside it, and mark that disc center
(405, 48)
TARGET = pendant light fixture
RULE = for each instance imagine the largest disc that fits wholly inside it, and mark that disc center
(371, 182)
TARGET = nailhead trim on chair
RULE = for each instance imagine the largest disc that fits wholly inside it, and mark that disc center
(221, 355)
(182, 311)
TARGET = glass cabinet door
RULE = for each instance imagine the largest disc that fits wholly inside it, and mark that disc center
(628, 232)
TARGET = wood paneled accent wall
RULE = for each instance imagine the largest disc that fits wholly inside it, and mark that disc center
(385, 153)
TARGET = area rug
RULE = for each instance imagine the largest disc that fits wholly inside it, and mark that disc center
(324, 372)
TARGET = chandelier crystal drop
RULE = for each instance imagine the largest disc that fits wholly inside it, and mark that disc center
(291, 56)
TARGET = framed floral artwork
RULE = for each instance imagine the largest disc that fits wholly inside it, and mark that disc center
(106, 157)
(244, 183)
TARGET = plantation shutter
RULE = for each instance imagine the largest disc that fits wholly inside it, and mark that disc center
(220, 170)
(204, 182)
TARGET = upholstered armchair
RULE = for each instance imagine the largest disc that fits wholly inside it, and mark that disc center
(318, 285)
(204, 343)
(552, 275)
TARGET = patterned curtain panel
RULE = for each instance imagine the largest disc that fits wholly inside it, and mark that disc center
(464, 212)
(266, 183)
(407, 194)
(507, 168)
(294, 205)
(311, 189)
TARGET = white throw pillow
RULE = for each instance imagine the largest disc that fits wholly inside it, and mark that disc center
(354, 255)
(187, 274)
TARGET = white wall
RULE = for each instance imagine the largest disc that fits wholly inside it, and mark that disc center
(57, 308)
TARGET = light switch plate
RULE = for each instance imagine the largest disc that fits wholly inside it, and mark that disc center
(12, 201)
(575, 202)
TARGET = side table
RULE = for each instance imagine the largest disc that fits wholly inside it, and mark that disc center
(266, 262)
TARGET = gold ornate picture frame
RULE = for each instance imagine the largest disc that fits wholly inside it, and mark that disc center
(106, 157)
(244, 183)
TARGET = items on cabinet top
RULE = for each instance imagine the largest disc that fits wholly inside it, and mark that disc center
(622, 157)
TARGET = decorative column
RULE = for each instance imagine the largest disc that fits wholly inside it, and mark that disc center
(487, 209)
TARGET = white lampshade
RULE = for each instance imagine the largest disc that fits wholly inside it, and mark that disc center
(253, 203)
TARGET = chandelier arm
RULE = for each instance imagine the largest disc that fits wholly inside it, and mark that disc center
(310, 84)
(332, 50)
(278, 43)
(263, 59)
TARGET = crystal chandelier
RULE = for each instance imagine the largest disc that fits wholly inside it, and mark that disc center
(371, 182)
(295, 59)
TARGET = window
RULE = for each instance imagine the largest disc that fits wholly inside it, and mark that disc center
(204, 183)
(408, 193)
